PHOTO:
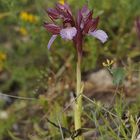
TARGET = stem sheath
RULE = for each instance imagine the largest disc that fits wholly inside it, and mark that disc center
(78, 103)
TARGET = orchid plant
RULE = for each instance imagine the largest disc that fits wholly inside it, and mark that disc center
(74, 28)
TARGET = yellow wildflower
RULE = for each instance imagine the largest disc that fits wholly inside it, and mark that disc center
(25, 16)
(2, 59)
(2, 56)
(23, 31)
(62, 2)
(108, 63)
(31, 18)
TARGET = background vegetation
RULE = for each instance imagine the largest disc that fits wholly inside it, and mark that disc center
(46, 78)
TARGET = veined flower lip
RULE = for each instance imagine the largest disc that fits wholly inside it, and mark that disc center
(99, 34)
(68, 33)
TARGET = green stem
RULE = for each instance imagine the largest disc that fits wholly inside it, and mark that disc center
(78, 103)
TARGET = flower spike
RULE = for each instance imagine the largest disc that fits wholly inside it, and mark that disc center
(73, 29)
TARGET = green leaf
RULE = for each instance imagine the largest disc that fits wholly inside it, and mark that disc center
(12, 136)
(118, 75)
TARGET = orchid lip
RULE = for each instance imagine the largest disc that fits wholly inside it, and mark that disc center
(68, 33)
(100, 34)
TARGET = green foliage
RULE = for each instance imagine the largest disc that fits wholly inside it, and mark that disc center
(111, 123)
(118, 76)
(57, 117)
(33, 68)
(6, 125)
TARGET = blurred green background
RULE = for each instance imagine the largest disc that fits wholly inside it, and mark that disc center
(29, 69)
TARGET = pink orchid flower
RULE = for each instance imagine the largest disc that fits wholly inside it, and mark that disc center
(72, 28)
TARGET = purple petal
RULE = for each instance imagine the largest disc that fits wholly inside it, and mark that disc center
(51, 41)
(90, 25)
(64, 12)
(94, 25)
(68, 33)
(53, 14)
(64, 7)
(99, 34)
(85, 11)
(79, 18)
(54, 29)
